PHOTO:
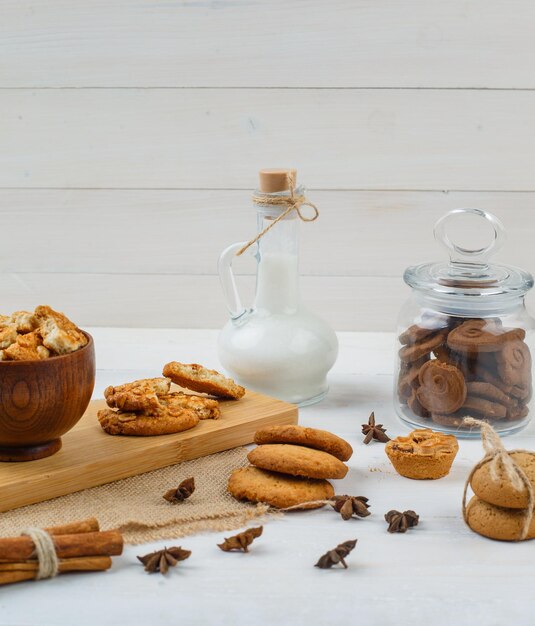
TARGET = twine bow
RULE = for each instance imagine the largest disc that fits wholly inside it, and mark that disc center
(292, 202)
(497, 456)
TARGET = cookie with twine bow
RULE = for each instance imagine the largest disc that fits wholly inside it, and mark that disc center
(275, 182)
(504, 486)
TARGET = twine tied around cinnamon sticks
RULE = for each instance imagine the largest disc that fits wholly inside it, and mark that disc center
(292, 202)
(496, 455)
(44, 553)
(45, 550)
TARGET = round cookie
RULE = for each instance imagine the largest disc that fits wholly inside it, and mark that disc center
(278, 490)
(297, 461)
(496, 522)
(481, 335)
(485, 408)
(302, 436)
(501, 493)
(416, 351)
(514, 363)
(442, 387)
(489, 392)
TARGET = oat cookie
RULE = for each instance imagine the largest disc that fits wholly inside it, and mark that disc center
(423, 454)
(139, 395)
(172, 420)
(501, 492)
(205, 408)
(201, 379)
(28, 347)
(302, 436)
(297, 461)
(59, 334)
(278, 490)
(497, 522)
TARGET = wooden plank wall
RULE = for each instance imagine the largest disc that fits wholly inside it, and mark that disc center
(131, 132)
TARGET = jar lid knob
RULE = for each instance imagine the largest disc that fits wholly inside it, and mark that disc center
(463, 256)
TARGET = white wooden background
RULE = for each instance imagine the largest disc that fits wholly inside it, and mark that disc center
(131, 132)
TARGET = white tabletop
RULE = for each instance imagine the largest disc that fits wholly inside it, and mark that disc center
(438, 573)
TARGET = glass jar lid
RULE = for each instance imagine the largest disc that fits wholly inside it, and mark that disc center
(469, 280)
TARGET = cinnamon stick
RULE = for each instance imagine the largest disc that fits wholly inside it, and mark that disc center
(78, 564)
(110, 543)
(90, 525)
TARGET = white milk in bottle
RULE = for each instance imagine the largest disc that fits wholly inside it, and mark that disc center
(277, 347)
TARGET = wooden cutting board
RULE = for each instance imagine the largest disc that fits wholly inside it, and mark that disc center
(89, 457)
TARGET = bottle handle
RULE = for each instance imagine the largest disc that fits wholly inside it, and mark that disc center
(228, 281)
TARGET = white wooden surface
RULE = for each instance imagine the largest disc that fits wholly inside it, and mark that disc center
(439, 573)
(132, 131)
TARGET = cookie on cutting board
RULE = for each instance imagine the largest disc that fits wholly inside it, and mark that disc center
(203, 380)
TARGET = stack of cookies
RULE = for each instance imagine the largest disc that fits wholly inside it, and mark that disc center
(291, 466)
(451, 367)
(148, 407)
(498, 510)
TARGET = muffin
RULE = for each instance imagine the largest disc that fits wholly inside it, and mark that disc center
(423, 454)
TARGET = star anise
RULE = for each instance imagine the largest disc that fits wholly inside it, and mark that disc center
(348, 506)
(162, 560)
(374, 431)
(337, 555)
(241, 541)
(183, 491)
(401, 522)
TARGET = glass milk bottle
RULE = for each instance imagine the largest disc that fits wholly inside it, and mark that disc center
(276, 347)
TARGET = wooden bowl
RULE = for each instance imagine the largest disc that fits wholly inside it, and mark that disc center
(41, 400)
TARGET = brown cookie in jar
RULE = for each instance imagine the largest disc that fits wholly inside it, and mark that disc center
(408, 378)
(442, 387)
(514, 364)
(481, 335)
(414, 352)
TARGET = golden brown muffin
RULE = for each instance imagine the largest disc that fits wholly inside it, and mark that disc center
(423, 454)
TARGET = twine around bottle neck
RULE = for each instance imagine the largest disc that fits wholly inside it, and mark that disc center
(292, 202)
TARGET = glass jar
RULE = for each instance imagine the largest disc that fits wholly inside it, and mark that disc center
(464, 339)
(277, 346)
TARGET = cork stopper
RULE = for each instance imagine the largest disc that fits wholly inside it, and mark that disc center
(276, 179)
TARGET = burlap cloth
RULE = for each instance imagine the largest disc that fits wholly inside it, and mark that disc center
(136, 507)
